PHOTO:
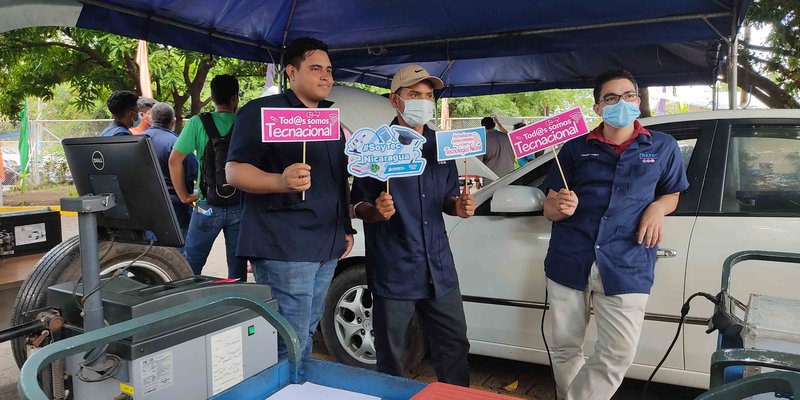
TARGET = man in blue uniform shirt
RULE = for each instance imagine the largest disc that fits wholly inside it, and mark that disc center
(408, 259)
(624, 179)
(123, 108)
(162, 121)
(293, 244)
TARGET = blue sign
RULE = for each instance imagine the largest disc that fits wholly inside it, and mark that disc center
(460, 143)
(386, 152)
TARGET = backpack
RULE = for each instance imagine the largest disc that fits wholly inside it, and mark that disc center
(213, 184)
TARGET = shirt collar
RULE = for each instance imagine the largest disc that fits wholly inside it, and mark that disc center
(295, 102)
(639, 133)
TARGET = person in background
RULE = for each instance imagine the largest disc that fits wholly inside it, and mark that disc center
(524, 160)
(144, 104)
(163, 138)
(122, 105)
(499, 155)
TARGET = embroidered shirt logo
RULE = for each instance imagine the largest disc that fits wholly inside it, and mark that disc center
(648, 158)
(590, 154)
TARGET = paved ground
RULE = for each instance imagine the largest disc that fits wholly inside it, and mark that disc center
(514, 378)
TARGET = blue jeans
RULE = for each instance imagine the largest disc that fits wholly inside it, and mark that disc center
(207, 221)
(300, 288)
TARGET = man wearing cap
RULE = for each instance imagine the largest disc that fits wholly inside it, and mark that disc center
(409, 263)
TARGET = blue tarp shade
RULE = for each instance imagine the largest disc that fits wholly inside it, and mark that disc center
(515, 45)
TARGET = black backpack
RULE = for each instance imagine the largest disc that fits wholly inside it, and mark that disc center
(213, 184)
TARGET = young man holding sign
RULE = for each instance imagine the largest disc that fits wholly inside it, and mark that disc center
(409, 263)
(624, 179)
(293, 243)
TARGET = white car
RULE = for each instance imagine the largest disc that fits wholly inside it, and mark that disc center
(744, 172)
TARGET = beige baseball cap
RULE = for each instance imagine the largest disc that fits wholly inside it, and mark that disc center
(412, 74)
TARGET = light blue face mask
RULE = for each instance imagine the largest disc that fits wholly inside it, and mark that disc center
(138, 120)
(621, 114)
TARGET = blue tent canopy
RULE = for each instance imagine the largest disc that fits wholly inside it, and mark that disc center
(477, 47)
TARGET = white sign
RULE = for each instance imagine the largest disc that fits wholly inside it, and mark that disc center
(227, 366)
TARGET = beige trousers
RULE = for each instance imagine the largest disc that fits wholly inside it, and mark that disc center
(619, 322)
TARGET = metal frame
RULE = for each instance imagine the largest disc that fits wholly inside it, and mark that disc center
(29, 385)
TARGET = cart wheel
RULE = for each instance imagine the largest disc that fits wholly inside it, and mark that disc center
(63, 264)
(347, 321)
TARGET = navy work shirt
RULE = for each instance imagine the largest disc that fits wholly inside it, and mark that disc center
(613, 193)
(279, 226)
(163, 140)
(411, 250)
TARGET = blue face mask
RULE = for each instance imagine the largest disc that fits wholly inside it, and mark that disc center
(621, 114)
(137, 121)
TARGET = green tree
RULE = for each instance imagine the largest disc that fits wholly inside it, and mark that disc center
(545, 102)
(35, 61)
(772, 72)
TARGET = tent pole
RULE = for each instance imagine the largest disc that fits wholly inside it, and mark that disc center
(733, 61)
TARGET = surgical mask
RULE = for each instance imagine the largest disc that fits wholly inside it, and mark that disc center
(417, 112)
(621, 114)
(137, 121)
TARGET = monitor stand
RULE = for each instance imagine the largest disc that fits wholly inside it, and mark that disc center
(87, 207)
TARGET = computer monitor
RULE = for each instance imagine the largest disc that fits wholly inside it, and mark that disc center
(125, 166)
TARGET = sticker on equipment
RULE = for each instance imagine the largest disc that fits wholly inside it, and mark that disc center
(227, 367)
(157, 372)
(28, 234)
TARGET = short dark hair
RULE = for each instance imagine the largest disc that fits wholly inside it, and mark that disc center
(487, 122)
(519, 125)
(224, 88)
(145, 103)
(295, 52)
(121, 102)
(610, 76)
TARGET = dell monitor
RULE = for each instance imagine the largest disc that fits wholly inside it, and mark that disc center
(125, 166)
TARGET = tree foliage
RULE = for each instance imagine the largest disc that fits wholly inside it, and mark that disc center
(35, 61)
(772, 72)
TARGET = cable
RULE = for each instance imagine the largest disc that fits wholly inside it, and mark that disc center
(117, 273)
(684, 313)
(547, 348)
(80, 278)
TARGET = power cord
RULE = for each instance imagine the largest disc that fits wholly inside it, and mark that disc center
(117, 273)
(113, 362)
(80, 278)
(684, 313)
(547, 348)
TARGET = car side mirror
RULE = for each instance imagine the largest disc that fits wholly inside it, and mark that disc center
(517, 199)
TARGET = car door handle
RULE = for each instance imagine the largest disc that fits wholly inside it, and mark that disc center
(664, 253)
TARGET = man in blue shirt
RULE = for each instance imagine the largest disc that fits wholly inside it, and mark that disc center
(293, 244)
(123, 108)
(162, 117)
(408, 259)
(624, 179)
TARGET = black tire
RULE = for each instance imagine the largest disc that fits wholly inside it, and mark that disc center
(345, 284)
(63, 264)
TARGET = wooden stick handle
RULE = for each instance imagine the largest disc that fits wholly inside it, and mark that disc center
(559, 168)
(466, 177)
(304, 161)
(387, 185)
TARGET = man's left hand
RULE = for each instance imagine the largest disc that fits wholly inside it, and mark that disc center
(650, 226)
(465, 205)
(348, 239)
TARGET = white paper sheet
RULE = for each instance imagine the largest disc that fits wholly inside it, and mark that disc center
(311, 391)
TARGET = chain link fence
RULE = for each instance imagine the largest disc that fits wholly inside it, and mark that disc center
(46, 160)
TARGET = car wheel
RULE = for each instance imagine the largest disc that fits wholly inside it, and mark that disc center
(347, 323)
(63, 264)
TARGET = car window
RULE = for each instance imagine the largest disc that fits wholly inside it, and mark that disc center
(763, 169)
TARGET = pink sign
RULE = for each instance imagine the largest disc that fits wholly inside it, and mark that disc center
(547, 133)
(299, 124)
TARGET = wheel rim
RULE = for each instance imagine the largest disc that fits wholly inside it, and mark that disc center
(353, 324)
(141, 271)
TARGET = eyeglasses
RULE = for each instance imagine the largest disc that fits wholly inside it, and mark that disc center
(611, 98)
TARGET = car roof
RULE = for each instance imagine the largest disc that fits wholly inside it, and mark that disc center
(722, 114)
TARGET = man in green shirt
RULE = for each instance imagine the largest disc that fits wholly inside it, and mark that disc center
(207, 219)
